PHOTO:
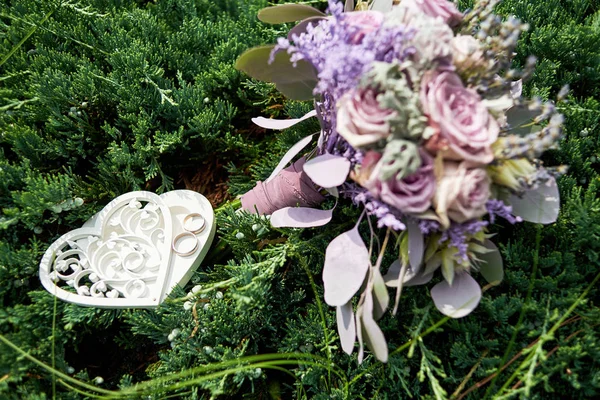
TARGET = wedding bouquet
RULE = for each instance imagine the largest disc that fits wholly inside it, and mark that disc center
(423, 125)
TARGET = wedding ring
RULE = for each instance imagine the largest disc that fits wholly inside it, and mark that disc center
(194, 223)
(180, 239)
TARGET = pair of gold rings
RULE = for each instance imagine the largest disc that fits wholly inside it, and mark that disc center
(193, 224)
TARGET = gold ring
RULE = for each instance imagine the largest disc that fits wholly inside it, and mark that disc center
(190, 217)
(178, 239)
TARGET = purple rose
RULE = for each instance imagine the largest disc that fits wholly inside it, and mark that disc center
(462, 193)
(466, 131)
(435, 8)
(360, 120)
(364, 22)
(412, 194)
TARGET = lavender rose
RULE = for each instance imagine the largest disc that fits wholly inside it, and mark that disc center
(360, 120)
(435, 8)
(365, 22)
(411, 195)
(462, 193)
(466, 131)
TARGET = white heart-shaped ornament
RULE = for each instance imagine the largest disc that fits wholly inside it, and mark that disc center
(133, 252)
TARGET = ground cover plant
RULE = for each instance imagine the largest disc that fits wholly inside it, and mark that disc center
(103, 97)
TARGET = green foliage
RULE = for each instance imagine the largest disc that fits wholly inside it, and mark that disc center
(108, 96)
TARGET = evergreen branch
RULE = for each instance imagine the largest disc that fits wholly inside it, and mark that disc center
(164, 93)
(550, 333)
(205, 378)
(79, 42)
(402, 348)
(414, 340)
(84, 10)
(516, 386)
(580, 109)
(48, 368)
(18, 104)
(235, 204)
(511, 343)
(79, 391)
(321, 313)
(467, 378)
(106, 79)
(9, 76)
(430, 370)
(28, 35)
(258, 361)
(487, 379)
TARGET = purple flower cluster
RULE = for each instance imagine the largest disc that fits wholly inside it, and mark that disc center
(386, 217)
(428, 226)
(456, 235)
(497, 208)
(340, 61)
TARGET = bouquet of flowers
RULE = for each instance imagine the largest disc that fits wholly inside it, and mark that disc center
(423, 125)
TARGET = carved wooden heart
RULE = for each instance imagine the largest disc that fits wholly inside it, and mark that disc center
(133, 252)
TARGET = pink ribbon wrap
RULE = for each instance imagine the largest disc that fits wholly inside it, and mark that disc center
(290, 188)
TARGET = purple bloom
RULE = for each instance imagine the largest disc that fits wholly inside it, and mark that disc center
(428, 226)
(331, 48)
(497, 208)
(386, 217)
(411, 194)
(457, 234)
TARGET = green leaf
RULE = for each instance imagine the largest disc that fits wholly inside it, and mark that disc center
(491, 267)
(520, 120)
(295, 82)
(381, 297)
(448, 266)
(287, 13)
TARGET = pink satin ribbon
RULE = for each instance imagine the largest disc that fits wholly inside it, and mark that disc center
(290, 188)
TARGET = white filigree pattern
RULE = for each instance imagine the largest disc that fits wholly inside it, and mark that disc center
(123, 256)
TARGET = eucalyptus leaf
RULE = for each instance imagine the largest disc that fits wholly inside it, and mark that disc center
(416, 245)
(359, 333)
(289, 156)
(382, 5)
(283, 13)
(540, 206)
(410, 278)
(300, 217)
(346, 263)
(491, 266)
(346, 325)
(458, 300)
(349, 6)
(520, 119)
(433, 263)
(516, 89)
(418, 279)
(372, 334)
(300, 90)
(333, 191)
(381, 297)
(447, 266)
(295, 82)
(280, 124)
(327, 170)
